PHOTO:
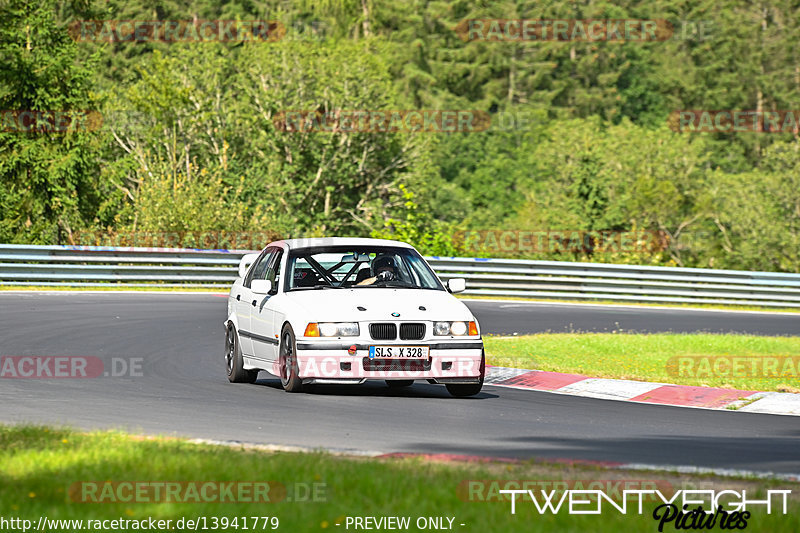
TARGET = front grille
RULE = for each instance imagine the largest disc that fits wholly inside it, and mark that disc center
(412, 331)
(383, 331)
(396, 365)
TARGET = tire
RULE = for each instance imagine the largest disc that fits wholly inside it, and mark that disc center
(469, 389)
(290, 373)
(234, 362)
(399, 383)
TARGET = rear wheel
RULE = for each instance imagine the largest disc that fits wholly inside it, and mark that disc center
(290, 374)
(399, 383)
(461, 390)
(234, 363)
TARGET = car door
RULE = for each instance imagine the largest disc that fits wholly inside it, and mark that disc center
(265, 339)
(245, 301)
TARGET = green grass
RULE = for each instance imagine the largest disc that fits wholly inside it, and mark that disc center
(39, 465)
(648, 357)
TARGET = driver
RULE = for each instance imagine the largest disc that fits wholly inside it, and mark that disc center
(383, 269)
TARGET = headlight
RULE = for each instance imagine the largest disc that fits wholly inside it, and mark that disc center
(456, 329)
(328, 329)
(332, 329)
(441, 328)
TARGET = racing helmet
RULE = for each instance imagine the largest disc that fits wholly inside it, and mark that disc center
(383, 261)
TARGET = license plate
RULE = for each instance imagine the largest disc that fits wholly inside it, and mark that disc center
(398, 352)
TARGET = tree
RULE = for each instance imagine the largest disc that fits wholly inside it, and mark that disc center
(48, 183)
(759, 215)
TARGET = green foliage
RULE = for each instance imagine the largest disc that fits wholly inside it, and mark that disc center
(493, 168)
(191, 139)
(621, 178)
(429, 235)
(340, 181)
(759, 215)
(48, 185)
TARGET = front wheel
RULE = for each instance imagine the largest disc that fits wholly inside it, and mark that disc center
(462, 390)
(290, 374)
(234, 362)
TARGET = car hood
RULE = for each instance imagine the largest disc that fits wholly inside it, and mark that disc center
(341, 305)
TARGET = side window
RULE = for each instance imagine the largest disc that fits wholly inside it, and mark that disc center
(274, 270)
(260, 267)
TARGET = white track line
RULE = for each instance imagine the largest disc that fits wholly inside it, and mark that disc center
(522, 303)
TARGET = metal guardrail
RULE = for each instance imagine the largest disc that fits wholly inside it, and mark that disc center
(602, 281)
(100, 266)
(164, 267)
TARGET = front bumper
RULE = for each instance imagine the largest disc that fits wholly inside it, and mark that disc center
(449, 361)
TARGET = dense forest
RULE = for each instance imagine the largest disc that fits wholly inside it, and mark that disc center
(178, 140)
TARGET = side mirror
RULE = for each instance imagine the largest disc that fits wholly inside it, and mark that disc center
(456, 285)
(261, 286)
(245, 263)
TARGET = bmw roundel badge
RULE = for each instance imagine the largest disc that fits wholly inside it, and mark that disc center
(395, 314)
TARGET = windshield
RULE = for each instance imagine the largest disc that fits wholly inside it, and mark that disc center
(372, 267)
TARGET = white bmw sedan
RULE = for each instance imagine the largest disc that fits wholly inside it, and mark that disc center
(347, 310)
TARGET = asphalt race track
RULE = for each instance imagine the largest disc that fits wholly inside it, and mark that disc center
(524, 317)
(183, 389)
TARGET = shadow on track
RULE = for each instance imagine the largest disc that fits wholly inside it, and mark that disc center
(377, 389)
